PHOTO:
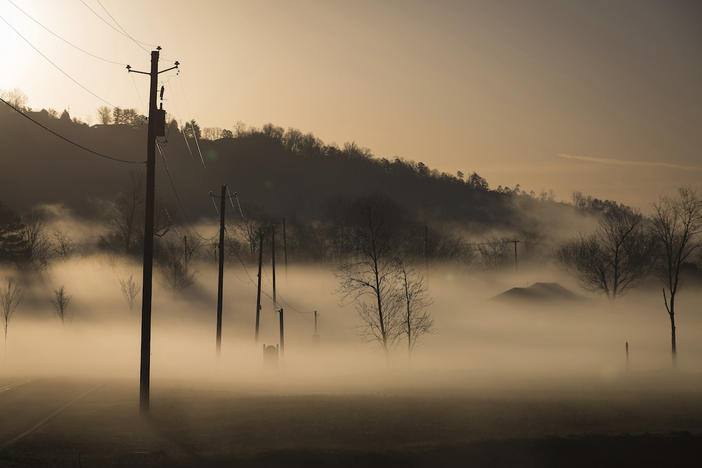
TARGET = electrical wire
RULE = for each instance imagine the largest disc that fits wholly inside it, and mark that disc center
(124, 31)
(121, 33)
(55, 65)
(185, 98)
(100, 17)
(178, 198)
(197, 144)
(55, 34)
(96, 153)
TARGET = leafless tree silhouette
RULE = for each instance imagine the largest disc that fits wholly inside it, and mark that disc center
(61, 301)
(63, 245)
(369, 280)
(11, 297)
(35, 239)
(677, 224)
(130, 291)
(176, 261)
(613, 259)
(104, 115)
(416, 318)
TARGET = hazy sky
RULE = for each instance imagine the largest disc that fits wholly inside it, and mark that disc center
(603, 97)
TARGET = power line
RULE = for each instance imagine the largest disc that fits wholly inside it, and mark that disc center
(55, 65)
(177, 196)
(121, 33)
(64, 39)
(100, 17)
(96, 153)
(124, 31)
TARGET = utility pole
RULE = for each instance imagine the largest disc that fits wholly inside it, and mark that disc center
(157, 124)
(515, 242)
(258, 293)
(282, 333)
(426, 247)
(285, 249)
(275, 300)
(315, 337)
(220, 283)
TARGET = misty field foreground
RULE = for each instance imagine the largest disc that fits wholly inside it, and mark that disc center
(496, 384)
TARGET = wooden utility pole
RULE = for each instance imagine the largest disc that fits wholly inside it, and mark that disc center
(275, 300)
(282, 333)
(258, 293)
(516, 264)
(315, 337)
(285, 249)
(156, 128)
(220, 282)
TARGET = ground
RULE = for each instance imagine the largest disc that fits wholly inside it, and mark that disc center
(84, 423)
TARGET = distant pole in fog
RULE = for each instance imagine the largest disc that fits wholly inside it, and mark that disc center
(156, 128)
(315, 337)
(282, 333)
(275, 300)
(516, 262)
(220, 282)
(258, 293)
(626, 347)
(426, 245)
(285, 249)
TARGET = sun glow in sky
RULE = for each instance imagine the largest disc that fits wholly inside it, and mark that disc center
(501, 88)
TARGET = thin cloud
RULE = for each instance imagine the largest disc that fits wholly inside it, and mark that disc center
(624, 162)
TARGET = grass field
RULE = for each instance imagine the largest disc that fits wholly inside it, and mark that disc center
(653, 420)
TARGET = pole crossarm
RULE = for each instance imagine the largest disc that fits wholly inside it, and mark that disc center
(129, 69)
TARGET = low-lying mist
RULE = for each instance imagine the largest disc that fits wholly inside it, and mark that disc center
(476, 341)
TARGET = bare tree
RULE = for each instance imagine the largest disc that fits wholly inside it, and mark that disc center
(17, 98)
(176, 261)
(677, 224)
(11, 297)
(369, 280)
(126, 219)
(63, 246)
(493, 252)
(104, 115)
(61, 301)
(35, 239)
(615, 257)
(416, 318)
(130, 291)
